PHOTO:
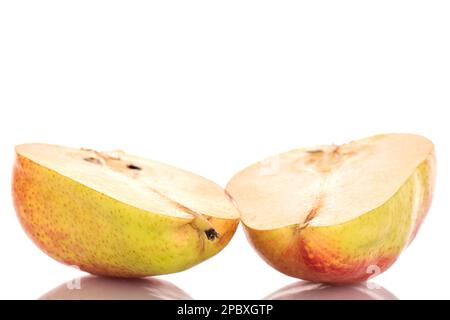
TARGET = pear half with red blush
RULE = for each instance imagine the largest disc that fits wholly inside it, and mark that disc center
(118, 215)
(337, 214)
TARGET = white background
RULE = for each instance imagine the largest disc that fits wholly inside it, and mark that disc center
(212, 86)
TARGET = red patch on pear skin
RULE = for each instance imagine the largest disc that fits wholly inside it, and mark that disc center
(312, 261)
(332, 265)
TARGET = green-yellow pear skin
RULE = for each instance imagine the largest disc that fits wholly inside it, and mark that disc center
(82, 227)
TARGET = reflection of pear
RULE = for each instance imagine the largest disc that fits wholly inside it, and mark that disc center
(315, 291)
(97, 288)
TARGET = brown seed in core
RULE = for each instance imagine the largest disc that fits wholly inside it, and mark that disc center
(133, 167)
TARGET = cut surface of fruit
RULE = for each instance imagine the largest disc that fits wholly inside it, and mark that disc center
(144, 184)
(327, 185)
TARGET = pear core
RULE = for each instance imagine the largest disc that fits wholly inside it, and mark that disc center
(326, 185)
(144, 184)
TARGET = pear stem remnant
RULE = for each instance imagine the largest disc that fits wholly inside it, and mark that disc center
(211, 234)
(200, 222)
(312, 213)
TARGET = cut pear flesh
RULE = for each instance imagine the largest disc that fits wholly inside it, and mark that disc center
(372, 188)
(327, 185)
(142, 183)
(115, 214)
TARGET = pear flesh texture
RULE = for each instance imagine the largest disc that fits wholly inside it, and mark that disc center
(337, 214)
(112, 214)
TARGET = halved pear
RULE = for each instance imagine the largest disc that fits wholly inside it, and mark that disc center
(114, 214)
(337, 214)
